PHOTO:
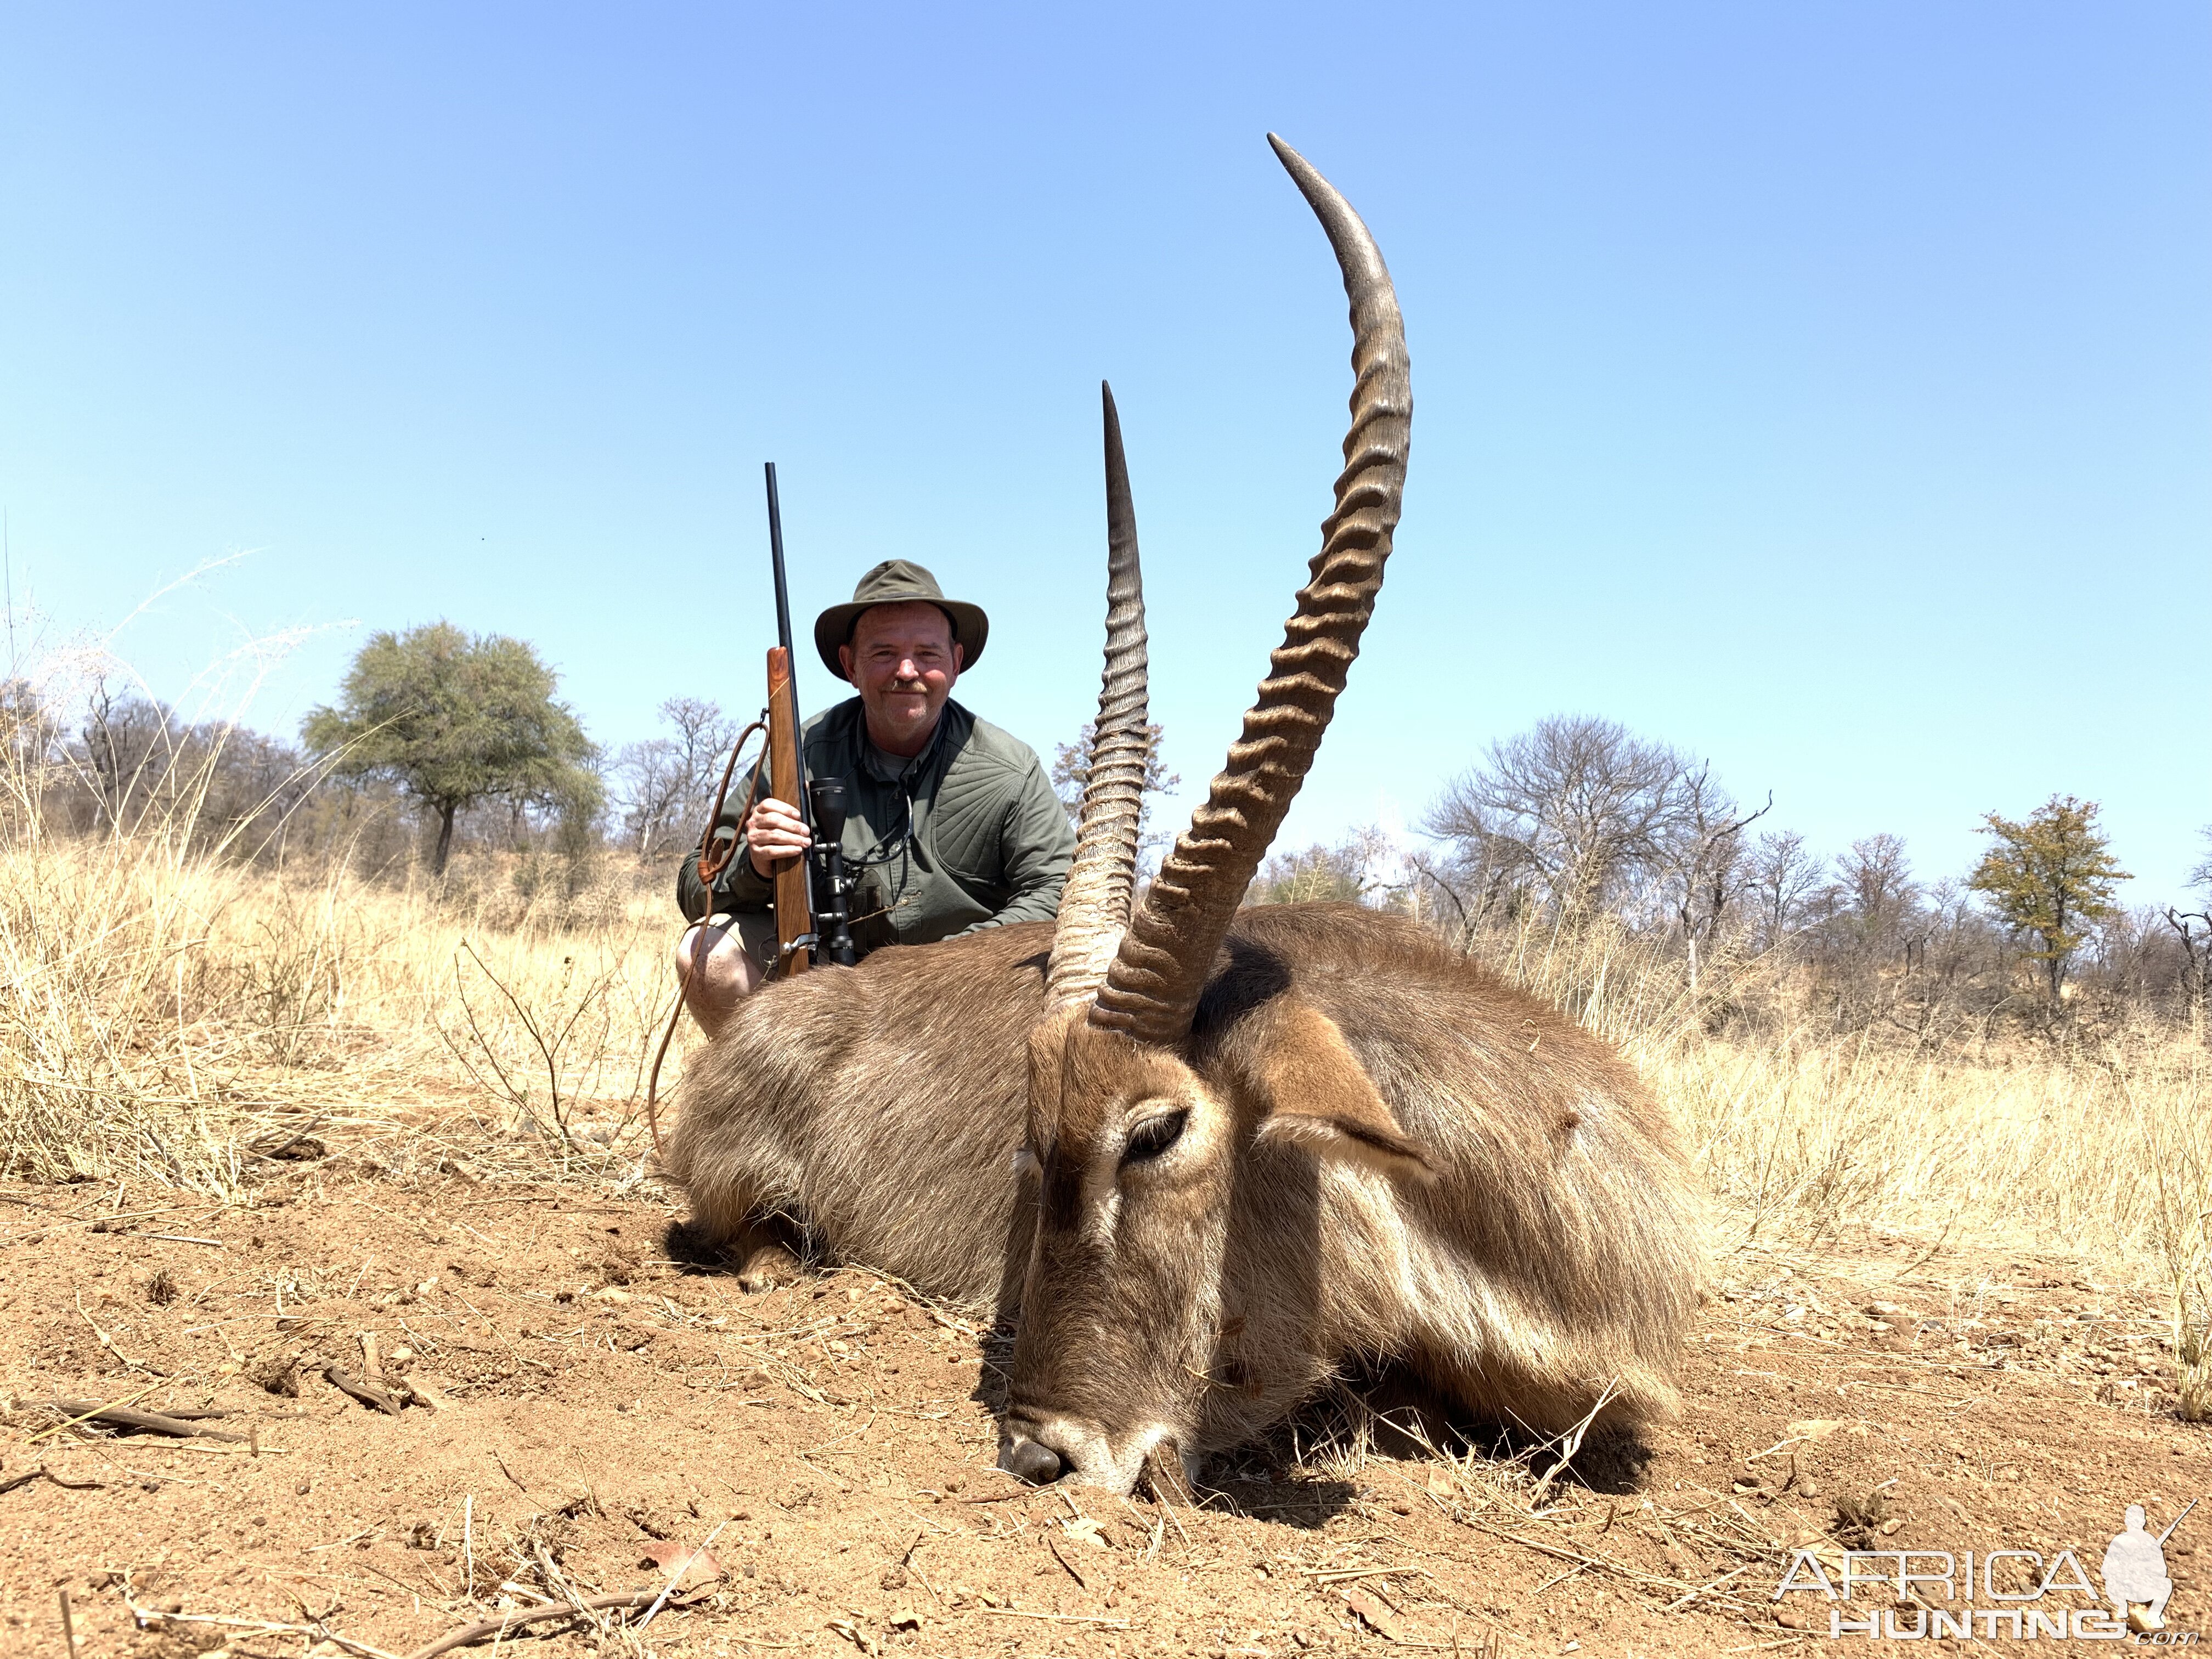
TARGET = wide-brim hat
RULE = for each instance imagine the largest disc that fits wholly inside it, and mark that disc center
(900, 581)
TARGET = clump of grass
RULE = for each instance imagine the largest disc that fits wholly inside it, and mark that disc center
(2169, 1095)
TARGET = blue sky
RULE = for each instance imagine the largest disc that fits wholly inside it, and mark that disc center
(1824, 389)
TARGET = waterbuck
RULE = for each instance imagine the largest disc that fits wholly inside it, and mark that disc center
(1249, 1145)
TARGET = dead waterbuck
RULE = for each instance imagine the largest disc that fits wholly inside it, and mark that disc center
(1254, 1144)
(1266, 1143)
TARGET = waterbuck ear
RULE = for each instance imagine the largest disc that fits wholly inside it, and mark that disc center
(1315, 1092)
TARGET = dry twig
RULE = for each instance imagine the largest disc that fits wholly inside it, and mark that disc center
(128, 1418)
(515, 1618)
(345, 1382)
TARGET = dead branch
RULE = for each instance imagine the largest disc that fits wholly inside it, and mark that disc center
(129, 1418)
(346, 1382)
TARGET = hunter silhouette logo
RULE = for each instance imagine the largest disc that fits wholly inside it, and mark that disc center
(2133, 1571)
(1983, 1594)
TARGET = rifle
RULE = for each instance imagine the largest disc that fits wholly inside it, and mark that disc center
(794, 902)
(2177, 1520)
(803, 936)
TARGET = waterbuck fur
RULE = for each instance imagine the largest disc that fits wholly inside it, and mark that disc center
(1204, 1156)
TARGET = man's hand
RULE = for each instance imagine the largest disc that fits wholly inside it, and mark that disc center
(774, 832)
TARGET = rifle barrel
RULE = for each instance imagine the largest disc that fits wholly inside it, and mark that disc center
(2177, 1520)
(783, 633)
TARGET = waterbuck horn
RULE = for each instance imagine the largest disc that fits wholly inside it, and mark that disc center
(1152, 986)
(1094, 907)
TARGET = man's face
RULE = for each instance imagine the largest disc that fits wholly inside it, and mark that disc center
(903, 662)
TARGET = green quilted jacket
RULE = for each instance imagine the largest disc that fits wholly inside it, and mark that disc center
(966, 834)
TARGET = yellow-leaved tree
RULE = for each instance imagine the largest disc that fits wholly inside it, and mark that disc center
(2049, 878)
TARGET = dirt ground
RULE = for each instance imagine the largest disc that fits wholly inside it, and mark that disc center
(602, 1407)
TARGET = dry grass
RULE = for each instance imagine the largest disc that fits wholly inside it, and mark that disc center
(2101, 1149)
(170, 1016)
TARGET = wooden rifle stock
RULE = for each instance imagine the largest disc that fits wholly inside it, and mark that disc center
(794, 907)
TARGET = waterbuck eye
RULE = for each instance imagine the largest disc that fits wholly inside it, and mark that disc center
(1154, 1136)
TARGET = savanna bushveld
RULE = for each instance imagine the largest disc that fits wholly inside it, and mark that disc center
(324, 1122)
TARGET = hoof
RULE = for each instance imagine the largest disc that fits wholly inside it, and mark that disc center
(766, 1268)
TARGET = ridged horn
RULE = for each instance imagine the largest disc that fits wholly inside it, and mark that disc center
(1094, 909)
(1152, 989)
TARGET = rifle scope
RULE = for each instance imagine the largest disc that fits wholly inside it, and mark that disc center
(832, 917)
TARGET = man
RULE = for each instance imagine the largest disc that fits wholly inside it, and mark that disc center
(953, 824)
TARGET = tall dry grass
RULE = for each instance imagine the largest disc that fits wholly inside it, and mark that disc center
(172, 1014)
(2099, 1148)
(168, 1014)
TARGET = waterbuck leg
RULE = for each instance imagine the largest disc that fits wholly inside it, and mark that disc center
(766, 1249)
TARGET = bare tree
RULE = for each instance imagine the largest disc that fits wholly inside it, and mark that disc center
(1702, 847)
(2192, 929)
(1952, 963)
(1071, 770)
(667, 784)
(1860, 930)
(1877, 889)
(1460, 887)
(124, 755)
(1354, 870)
(1580, 804)
(1782, 879)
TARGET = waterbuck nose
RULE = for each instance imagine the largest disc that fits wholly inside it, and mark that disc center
(1038, 1465)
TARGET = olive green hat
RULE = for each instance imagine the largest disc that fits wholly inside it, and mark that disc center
(900, 581)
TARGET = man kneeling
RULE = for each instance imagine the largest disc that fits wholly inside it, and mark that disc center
(952, 826)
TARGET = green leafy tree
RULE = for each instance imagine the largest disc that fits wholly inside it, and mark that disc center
(2049, 878)
(454, 720)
